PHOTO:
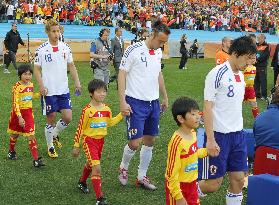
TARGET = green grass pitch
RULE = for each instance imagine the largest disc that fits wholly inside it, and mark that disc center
(56, 183)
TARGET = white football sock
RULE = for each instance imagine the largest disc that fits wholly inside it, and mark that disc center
(145, 159)
(127, 156)
(49, 135)
(234, 199)
(60, 126)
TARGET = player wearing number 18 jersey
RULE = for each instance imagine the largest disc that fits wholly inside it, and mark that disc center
(52, 59)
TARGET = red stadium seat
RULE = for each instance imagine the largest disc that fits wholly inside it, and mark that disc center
(266, 161)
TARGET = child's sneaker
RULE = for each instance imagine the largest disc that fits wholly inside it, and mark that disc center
(101, 201)
(146, 184)
(12, 155)
(57, 143)
(38, 163)
(52, 153)
(83, 187)
(123, 176)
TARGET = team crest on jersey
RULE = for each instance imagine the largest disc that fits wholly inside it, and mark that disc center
(213, 169)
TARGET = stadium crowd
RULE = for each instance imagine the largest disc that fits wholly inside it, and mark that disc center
(215, 15)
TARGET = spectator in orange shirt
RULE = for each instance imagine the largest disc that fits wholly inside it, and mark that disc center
(222, 55)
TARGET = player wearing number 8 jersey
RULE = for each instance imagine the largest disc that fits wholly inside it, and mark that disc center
(223, 96)
(52, 59)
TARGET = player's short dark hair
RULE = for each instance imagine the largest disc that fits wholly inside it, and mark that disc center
(182, 106)
(96, 84)
(23, 68)
(159, 26)
(243, 46)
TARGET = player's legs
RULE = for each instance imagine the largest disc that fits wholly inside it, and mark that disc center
(145, 155)
(189, 191)
(93, 151)
(210, 185)
(250, 96)
(169, 199)
(237, 166)
(33, 147)
(49, 108)
(32, 143)
(50, 124)
(151, 130)
(135, 126)
(12, 152)
(63, 105)
(213, 169)
(13, 59)
(234, 194)
(7, 62)
(61, 124)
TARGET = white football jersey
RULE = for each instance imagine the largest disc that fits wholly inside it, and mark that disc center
(53, 62)
(226, 90)
(143, 70)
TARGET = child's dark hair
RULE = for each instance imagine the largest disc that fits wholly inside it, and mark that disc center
(23, 68)
(243, 46)
(96, 84)
(181, 106)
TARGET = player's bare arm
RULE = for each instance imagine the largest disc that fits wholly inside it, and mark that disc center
(125, 108)
(74, 74)
(38, 76)
(163, 91)
(211, 145)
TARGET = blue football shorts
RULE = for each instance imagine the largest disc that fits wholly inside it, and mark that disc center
(55, 103)
(232, 156)
(145, 118)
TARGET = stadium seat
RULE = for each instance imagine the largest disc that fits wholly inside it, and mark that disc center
(266, 161)
(263, 190)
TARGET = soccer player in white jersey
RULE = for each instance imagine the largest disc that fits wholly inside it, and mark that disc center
(52, 59)
(223, 97)
(139, 82)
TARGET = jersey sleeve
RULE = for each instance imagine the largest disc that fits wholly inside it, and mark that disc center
(16, 108)
(211, 85)
(36, 95)
(173, 167)
(127, 60)
(81, 125)
(202, 152)
(114, 120)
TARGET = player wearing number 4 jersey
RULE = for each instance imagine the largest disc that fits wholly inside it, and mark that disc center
(52, 59)
(225, 143)
(139, 82)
